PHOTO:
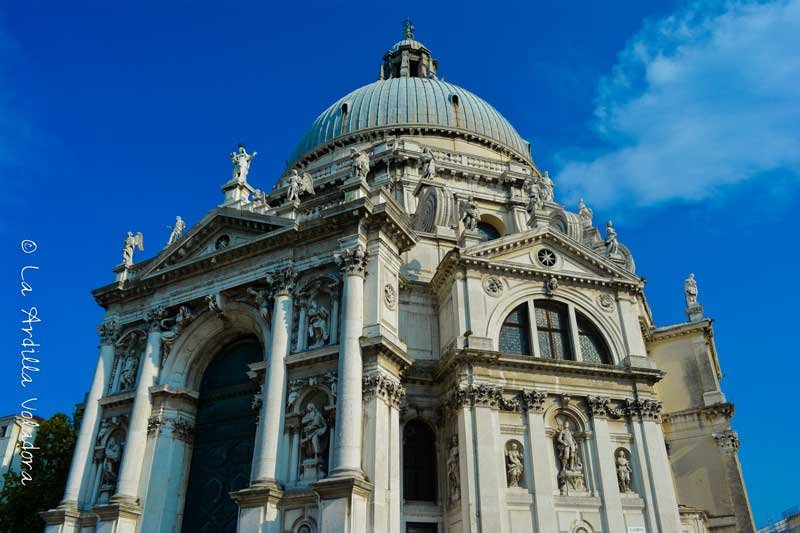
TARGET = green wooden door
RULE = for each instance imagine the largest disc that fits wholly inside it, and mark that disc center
(224, 438)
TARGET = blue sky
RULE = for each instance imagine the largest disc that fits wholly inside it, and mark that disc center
(679, 120)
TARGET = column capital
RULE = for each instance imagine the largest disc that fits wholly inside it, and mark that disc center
(108, 332)
(282, 282)
(385, 387)
(481, 395)
(153, 317)
(352, 261)
(728, 440)
(533, 400)
(644, 409)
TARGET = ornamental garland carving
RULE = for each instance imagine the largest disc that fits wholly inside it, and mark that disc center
(606, 302)
(385, 387)
(483, 395)
(600, 407)
(453, 472)
(352, 260)
(390, 296)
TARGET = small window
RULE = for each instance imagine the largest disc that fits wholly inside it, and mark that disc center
(419, 462)
(593, 347)
(345, 109)
(552, 326)
(455, 102)
(514, 337)
(487, 231)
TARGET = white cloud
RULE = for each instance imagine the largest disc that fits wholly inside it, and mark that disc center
(703, 99)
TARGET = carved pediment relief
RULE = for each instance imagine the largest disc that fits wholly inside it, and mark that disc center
(549, 250)
(219, 231)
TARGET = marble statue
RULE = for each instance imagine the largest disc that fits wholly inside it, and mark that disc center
(624, 472)
(470, 214)
(534, 198)
(453, 476)
(428, 170)
(177, 230)
(298, 184)
(173, 326)
(113, 456)
(612, 244)
(546, 187)
(568, 449)
(130, 243)
(514, 464)
(259, 199)
(127, 376)
(318, 330)
(585, 213)
(690, 288)
(314, 429)
(241, 164)
(260, 297)
(360, 162)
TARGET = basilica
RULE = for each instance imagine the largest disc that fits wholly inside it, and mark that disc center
(407, 334)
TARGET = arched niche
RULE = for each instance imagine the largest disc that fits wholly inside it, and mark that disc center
(567, 429)
(419, 461)
(495, 221)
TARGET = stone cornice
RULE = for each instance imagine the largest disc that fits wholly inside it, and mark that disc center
(679, 330)
(391, 218)
(381, 346)
(314, 229)
(457, 358)
(709, 412)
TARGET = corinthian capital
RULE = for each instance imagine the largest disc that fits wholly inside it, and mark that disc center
(352, 260)
(108, 332)
(728, 440)
(283, 281)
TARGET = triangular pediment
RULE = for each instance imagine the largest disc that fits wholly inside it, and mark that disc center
(223, 229)
(564, 255)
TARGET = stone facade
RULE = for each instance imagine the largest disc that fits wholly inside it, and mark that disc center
(444, 346)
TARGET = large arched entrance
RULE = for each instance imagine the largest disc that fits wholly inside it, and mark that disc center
(224, 439)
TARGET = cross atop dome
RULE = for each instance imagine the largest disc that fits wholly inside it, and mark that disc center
(408, 58)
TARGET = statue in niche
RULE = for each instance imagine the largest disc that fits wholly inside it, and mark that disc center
(571, 473)
(612, 244)
(470, 214)
(546, 187)
(111, 461)
(318, 317)
(453, 481)
(534, 198)
(314, 429)
(360, 162)
(241, 163)
(514, 464)
(297, 185)
(128, 246)
(173, 326)
(127, 376)
(428, 164)
(177, 230)
(624, 471)
(690, 289)
(585, 213)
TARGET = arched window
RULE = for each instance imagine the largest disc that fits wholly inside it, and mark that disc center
(487, 231)
(514, 337)
(345, 109)
(419, 462)
(593, 347)
(552, 327)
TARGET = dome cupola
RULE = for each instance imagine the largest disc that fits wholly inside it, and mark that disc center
(408, 58)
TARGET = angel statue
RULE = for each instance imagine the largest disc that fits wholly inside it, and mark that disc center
(177, 230)
(360, 161)
(298, 185)
(428, 164)
(470, 214)
(129, 244)
(585, 213)
(241, 163)
(612, 244)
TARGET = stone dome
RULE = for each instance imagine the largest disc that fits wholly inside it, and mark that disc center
(412, 98)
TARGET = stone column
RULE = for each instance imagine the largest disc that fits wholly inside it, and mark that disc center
(543, 486)
(728, 441)
(133, 455)
(82, 457)
(665, 501)
(302, 325)
(347, 451)
(171, 434)
(271, 422)
(612, 502)
(491, 480)
(395, 442)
